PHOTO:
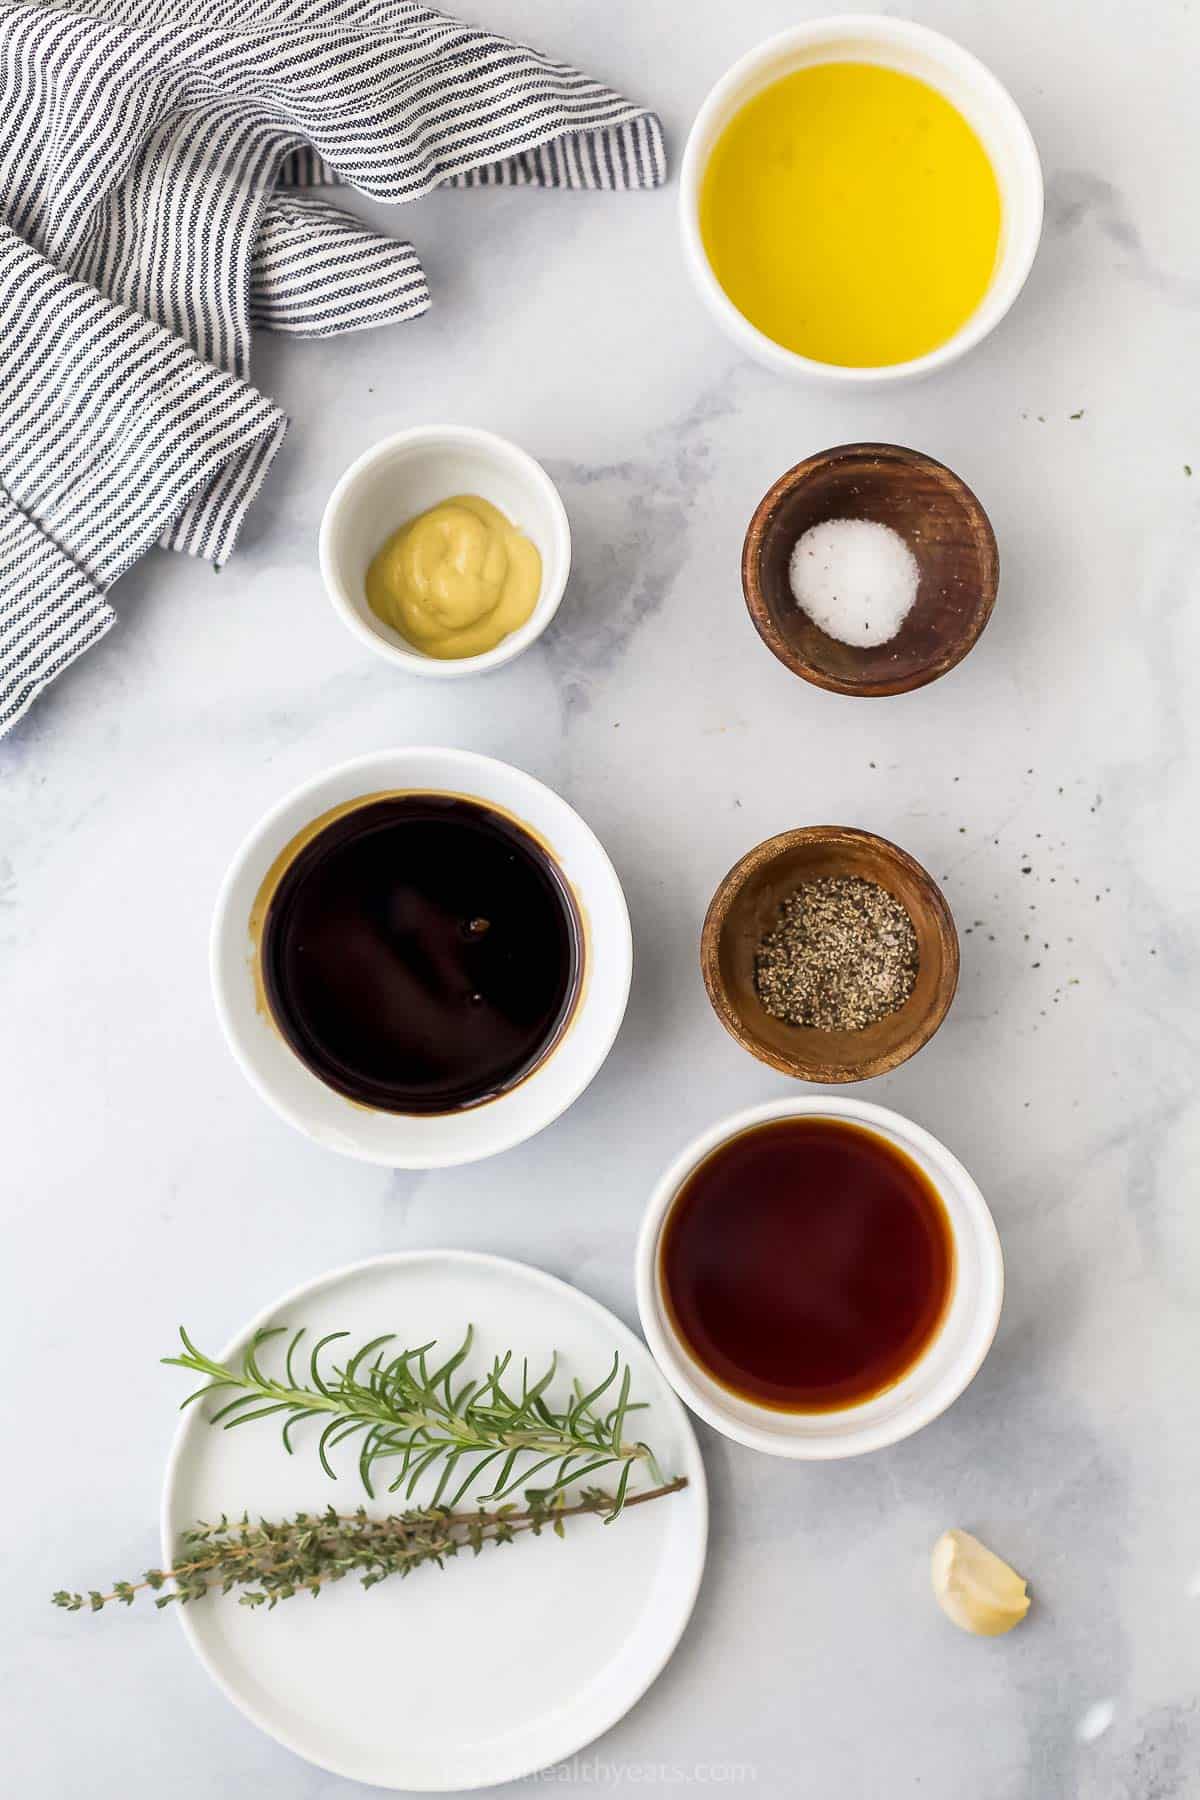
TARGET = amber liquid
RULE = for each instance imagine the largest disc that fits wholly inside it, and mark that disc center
(422, 953)
(807, 1264)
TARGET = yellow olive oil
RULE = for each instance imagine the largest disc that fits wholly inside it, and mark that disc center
(852, 215)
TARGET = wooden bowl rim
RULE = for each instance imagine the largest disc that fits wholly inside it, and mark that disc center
(935, 910)
(953, 651)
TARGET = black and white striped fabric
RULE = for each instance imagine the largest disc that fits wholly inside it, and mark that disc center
(158, 161)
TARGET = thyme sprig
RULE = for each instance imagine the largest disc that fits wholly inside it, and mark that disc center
(274, 1561)
(404, 1411)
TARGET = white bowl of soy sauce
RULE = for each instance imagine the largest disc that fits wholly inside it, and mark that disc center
(421, 958)
(818, 1277)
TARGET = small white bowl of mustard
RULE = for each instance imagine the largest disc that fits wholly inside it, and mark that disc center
(446, 550)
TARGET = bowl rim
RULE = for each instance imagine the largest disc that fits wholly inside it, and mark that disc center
(846, 1439)
(954, 652)
(937, 911)
(502, 450)
(958, 62)
(221, 976)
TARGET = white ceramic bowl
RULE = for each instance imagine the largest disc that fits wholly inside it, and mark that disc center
(945, 1368)
(954, 72)
(407, 474)
(405, 1140)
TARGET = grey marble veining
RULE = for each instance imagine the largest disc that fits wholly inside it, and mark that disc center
(1050, 782)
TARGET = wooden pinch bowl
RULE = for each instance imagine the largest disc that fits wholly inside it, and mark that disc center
(746, 906)
(940, 520)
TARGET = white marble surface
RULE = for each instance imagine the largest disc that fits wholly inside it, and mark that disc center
(1046, 781)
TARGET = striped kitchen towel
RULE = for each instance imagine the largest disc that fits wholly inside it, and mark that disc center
(159, 161)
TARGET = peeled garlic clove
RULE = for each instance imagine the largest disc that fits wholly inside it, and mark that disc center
(974, 1588)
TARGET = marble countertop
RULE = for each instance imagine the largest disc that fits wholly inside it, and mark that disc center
(1045, 782)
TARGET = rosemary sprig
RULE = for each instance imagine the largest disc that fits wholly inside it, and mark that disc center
(272, 1562)
(403, 1411)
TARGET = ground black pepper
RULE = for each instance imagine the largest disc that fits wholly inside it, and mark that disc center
(842, 954)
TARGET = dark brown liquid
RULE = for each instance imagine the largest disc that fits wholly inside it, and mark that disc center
(421, 953)
(807, 1263)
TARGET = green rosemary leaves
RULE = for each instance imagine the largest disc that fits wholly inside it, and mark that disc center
(410, 1418)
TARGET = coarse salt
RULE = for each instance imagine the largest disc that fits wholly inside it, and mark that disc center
(856, 579)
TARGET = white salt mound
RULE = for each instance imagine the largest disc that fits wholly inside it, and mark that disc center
(855, 579)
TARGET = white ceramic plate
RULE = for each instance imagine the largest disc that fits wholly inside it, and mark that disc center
(433, 1140)
(484, 1671)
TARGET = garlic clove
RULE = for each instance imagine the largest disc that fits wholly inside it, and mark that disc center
(974, 1588)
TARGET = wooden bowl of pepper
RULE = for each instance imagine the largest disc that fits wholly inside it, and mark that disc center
(830, 954)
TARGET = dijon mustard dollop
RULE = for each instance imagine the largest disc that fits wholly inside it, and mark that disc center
(455, 580)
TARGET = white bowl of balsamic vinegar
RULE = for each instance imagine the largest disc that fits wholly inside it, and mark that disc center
(818, 1278)
(420, 958)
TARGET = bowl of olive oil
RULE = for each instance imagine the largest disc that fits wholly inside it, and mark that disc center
(861, 200)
